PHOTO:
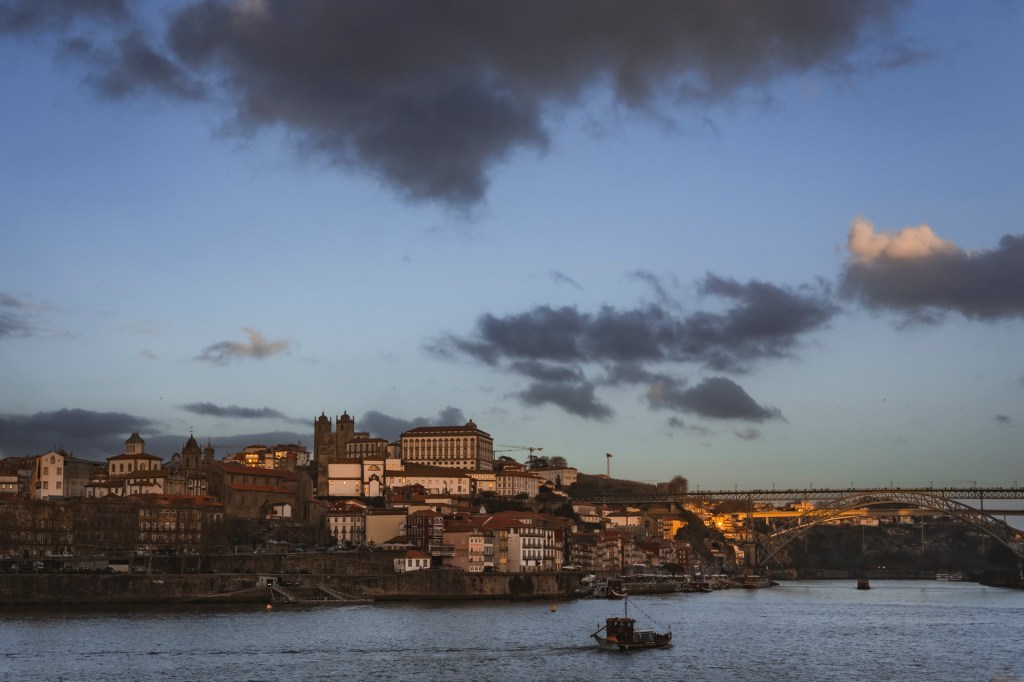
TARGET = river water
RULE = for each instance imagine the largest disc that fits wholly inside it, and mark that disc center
(807, 631)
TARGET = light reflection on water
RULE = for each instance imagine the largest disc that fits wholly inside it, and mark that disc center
(899, 630)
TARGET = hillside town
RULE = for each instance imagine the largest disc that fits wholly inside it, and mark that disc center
(439, 496)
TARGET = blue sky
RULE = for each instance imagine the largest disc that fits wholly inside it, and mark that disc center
(590, 230)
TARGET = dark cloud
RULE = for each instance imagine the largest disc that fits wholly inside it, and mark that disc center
(134, 67)
(1004, 420)
(654, 282)
(573, 397)
(922, 287)
(561, 278)
(233, 411)
(25, 16)
(716, 397)
(82, 432)
(569, 353)
(764, 321)
(430, 97)
(98, 435)
(223, 352)
(543, 371)
(749, 433)
(381, 425)
(14, 317)
(679, 423)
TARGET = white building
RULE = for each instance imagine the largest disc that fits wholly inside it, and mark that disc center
(457, 447)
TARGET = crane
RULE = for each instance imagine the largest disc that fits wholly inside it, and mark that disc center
(511, 448)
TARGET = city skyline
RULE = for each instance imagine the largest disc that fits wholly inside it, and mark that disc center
(756, 248)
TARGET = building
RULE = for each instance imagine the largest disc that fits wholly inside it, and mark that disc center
(257, 493)
(434, 480)
(456, 447)
(346, 522)
(134, 472)
(468, 546)
(48, 476)
(383, 525)
(425, 530)
(510, 483)
(562, 477)
(411, 560)
(524, 542)
(329, 446)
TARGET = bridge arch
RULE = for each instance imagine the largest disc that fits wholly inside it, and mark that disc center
(768, 546)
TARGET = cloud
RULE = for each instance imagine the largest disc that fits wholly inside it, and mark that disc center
(654, 282)
(132, 67)
(15, 319)
(867, 246)
(921, 277)
(764, 322)
(83, 432)
(26, 16)
(234, 411)
(1004, 420)
(568, 353)
(716, 398)
(574, 398)
(381, 425)
(223, 352)
(679, 423)
(429, 98)
(749, 433)
(148, 355)
(561, 278)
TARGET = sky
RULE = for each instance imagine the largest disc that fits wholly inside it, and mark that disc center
(752, 243)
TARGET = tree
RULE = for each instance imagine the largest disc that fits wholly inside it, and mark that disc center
(537, 462)
(678, 485)
(557, 461)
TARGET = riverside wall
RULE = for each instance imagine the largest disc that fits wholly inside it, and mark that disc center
(167, 588)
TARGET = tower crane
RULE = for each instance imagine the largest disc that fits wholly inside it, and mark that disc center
(512, 448)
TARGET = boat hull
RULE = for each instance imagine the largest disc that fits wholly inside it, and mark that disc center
(608, 644)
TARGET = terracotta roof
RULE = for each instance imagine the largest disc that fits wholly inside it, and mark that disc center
(414, 554)
(468, 428)
(232, 468)
(141, 455)
(259, 489)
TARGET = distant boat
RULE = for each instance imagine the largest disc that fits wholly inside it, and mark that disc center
(620, 634)
(753, 582)
(863, 584)
(606, 590)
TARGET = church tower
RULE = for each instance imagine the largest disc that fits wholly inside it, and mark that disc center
(191, 455)
(329, 446)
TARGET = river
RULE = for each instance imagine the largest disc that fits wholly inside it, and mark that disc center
(807, 631)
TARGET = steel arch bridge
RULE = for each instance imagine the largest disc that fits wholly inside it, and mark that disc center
(767, 546)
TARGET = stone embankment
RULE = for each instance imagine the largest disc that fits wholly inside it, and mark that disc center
(64, 588)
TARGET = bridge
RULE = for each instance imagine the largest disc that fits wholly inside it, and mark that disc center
(834, 503)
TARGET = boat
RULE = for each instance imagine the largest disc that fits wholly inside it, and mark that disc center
(863, 584)
(606, 590)
(621, 634)
(754, 582)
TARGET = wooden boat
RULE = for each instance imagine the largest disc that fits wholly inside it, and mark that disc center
(621, 633)
(863, 584)
(606, 590)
